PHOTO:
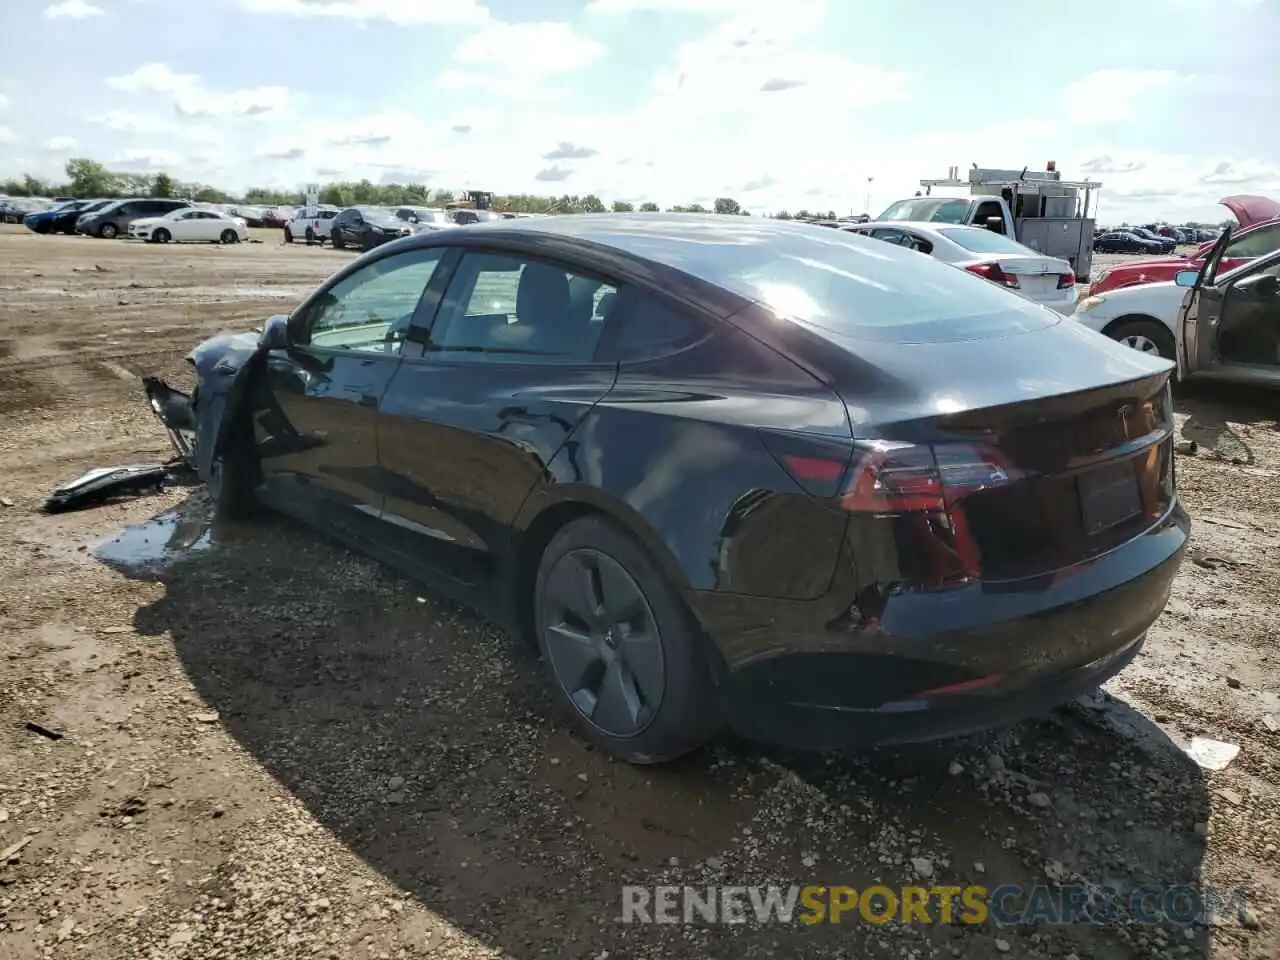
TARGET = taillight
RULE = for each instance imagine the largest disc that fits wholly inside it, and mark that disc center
(916, 495)
(906, 478)
(911, 496)
(992, 272)
(1066, 281)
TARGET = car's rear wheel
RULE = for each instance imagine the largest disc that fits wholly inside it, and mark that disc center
(230, 236)
(1145, 335)
(161, 236)
(107, 231)
(288, 235)
(335, 240)
(624, 652)
(311, 235)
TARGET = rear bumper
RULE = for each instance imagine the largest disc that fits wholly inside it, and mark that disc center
(941, 664)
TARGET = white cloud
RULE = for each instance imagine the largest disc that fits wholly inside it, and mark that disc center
(144, 161)
(71, 10)
(403, 12)
(514, 59)
(661, 6)
(1111, 96)
(59, 144)
(7, 135)
(125, 121)
(4, 102)
(191, 98)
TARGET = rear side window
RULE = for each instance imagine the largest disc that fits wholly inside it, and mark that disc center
(983, 241)
(645, 327)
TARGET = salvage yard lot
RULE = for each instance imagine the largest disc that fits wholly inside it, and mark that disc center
(270, 747)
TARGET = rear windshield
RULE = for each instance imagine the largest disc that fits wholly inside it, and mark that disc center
(983, 241)
(925, 209)
(848, 284)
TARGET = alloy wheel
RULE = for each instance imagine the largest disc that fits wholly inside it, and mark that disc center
(1142, 344)
(603, 642)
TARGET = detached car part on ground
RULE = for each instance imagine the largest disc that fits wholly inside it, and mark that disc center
(669, 449)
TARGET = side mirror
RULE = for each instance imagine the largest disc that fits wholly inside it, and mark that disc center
(995, 224)
(1186, 278)
(275, 333)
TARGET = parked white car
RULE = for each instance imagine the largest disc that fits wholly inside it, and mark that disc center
(313, 230)
(1049, 281)
(1143, 317)
(190, 225)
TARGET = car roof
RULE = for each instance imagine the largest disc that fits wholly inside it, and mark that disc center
(710, 247)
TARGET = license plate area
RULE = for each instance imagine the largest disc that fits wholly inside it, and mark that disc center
(1108, 496)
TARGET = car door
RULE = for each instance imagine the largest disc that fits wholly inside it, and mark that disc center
(183, 227)
(482, 401)
(1197, 317)
(315, 428)
(209, 226)
(1234, 323)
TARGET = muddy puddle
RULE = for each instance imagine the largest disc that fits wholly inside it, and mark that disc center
(146, 549)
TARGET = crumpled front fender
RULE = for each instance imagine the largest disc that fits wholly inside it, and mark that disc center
(223, 371)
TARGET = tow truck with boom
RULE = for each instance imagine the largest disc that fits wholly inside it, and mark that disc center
(1037, 208)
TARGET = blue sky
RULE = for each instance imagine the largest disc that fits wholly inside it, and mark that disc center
(778, 103)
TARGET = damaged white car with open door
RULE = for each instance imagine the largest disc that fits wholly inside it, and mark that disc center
(1228, 326)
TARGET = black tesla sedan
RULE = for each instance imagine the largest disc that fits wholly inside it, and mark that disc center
(366, 228)
(723, 469)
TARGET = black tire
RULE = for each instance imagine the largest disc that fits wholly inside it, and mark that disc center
(108, 231)
(1133, 331)
(43, 228)
(687, 713)
(231, 479)
(229, 236)
(335, 240)
(288, 235)
(311, 236)
(161, 236)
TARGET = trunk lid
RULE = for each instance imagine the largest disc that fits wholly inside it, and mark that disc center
(1037, 276)
(1079, 428)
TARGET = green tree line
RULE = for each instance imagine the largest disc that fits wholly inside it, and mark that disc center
(90, 179)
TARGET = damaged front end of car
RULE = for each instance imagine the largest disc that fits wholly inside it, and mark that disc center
(198, 423)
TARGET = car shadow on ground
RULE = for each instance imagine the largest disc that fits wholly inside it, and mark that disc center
(427, 742)
(1211, 409)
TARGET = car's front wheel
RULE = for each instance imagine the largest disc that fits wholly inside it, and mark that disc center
(1145, 335)
(288, 235)
(161, 236)
(107, 231)
(626, 656)
(230, 236)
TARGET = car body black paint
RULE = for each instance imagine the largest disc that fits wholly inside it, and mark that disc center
(675, 448)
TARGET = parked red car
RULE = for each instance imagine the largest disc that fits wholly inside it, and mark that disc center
(1259, 220)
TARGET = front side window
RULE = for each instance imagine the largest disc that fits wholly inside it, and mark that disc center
(502, 307)
(371, 309)
(1259, 243)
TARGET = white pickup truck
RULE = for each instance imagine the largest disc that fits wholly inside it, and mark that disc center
(314, 230)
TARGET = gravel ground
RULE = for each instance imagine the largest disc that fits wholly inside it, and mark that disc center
(269, 747)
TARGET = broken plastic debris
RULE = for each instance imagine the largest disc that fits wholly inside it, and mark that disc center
(1212, 754)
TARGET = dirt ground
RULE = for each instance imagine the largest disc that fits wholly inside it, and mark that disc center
(268, 747)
